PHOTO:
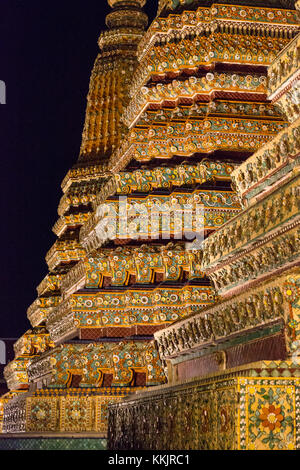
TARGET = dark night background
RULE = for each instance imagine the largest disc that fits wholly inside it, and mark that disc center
(47, 50)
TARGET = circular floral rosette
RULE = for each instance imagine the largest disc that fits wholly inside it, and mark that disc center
(292, 290)
(271, 417)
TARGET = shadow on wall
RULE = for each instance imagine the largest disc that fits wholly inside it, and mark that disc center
(2, 352)
(2, 92)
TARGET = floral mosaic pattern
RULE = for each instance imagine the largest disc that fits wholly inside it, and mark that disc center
(92, 361)
(270, 415)
(42, 414)
(74, 413)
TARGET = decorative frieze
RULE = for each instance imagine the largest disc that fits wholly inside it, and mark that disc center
(212, 109)
(268, 164)
(203, 47)
(145, 180)
(14, 419)
(284, 72)
(3, 400)
(262, 258)
(70, 221)
(54, 411)
(220, 321)
(75, 278)
(192, 136)
(141, 262)
(253, 309)
(84, 173)
(33, 342)
(15, 373)
(275, 211)
(79, 194)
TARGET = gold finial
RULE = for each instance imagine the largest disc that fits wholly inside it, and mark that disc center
(127, 13)
(113, 3)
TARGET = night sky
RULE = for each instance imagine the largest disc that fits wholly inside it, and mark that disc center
(47, 51)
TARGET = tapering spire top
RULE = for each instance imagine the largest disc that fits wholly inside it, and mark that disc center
(126, 14)
(111, 79)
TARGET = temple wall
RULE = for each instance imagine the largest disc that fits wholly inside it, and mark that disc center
(246, 409)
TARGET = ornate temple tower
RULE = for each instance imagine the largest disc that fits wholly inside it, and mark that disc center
(233, 368)
(172, 113)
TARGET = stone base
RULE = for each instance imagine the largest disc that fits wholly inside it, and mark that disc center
(254, 407)
(15, 442)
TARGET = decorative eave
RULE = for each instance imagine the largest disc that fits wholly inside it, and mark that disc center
(242, 19)
(212, 109)
(75, 279)
(50, 284)
(29, 346)
(201, 136)
(70, 221)
(204, 52)
(15, 373)
(84, 173)
(117, 219)
(141, 262)
(211, 85)
(91, 361)
(125, 308)
(64, 251)
(40, 309)
(79, 194)
(145, 180)
(33, 342)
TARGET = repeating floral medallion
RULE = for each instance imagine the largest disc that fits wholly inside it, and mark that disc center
(270, 412)
(72, 413)
(76, 413)
(42, 414)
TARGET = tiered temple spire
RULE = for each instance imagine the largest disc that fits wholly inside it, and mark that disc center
(171, 115)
